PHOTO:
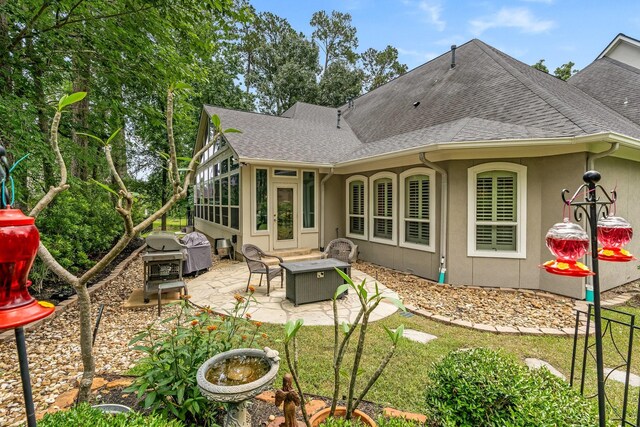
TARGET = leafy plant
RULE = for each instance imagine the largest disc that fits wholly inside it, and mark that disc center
(341, 422)
(177, 346)
(396, 422)
(84, 415)
(343, 333)
(483, 387)
(381, 422)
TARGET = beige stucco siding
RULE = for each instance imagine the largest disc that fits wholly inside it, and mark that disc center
(421, 263)
(624, 176)
(546, 177)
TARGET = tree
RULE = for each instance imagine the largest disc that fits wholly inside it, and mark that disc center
(335, 35)
(285, 65)
(540, 66)
(124, 206)
(339, 83)
(380, 66)
(565, 71)
(122, 53)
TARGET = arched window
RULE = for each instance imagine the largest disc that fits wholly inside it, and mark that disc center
(497, 210)
(383, 208)
(356, 189)
(417, 209)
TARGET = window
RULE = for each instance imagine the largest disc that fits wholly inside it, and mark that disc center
(289, 173)
(217, 195)
(308, 199)
(497, 210)
(383, 216)
(356, 187)
(417, 208)
(261, 200)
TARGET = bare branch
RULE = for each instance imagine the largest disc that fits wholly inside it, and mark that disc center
(62, 184)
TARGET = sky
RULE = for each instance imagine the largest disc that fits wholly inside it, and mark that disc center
(529, 30)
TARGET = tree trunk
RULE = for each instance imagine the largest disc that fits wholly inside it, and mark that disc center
(43, 119)
(86, 338)
(79, 165)
(163, 222)
(5, 57)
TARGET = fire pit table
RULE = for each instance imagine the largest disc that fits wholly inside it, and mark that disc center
(312, 281)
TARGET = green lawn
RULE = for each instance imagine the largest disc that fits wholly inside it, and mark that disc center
(403, 383)
(173, 224)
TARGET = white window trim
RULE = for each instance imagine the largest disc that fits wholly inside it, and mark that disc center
(394, 211)
(313, 229)
(430, 247)
(254, 202)
(365, 182)
(521, 200)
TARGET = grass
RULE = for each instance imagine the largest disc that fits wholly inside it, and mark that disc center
(173, 224)
(403, 383)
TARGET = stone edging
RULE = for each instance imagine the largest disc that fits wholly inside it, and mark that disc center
(519, 330)
(71, 301)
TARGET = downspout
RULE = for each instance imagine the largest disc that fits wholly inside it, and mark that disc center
(322, 213)
(591, 160)
(444, 194)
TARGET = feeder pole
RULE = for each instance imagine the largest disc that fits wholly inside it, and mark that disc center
(24, 376)
(591, 178)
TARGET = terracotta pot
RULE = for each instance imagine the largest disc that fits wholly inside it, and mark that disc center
(341, 411)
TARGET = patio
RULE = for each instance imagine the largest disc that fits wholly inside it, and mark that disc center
(217, 287)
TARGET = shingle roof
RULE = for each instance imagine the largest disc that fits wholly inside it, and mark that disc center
(615, 84)
(487, 96)
(485, 84)
(307, 134)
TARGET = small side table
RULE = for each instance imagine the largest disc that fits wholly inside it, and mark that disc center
(170, 286)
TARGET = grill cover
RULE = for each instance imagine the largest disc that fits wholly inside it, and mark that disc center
(198, 252)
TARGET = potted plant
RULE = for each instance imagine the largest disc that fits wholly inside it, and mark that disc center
(343, 333)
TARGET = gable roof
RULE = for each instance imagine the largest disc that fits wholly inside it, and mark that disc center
(305, 133)
(619, 39)
(614, 83)
(487, 96)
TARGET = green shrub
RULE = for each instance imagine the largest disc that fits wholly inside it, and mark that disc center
(84, 415)
(341, 422)
(177, 346)
(396, 422)
(482, 387)
(79, 226)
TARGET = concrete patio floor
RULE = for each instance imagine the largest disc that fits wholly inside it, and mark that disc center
(217, 287)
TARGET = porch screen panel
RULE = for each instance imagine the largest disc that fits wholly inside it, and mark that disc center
(356, 207)
(383, 208)
(417, 208)
(224, 205)
(234, 201)
(496, 211)
(261, 199)
(308, 199)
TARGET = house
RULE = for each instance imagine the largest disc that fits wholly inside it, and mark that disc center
(459, 163)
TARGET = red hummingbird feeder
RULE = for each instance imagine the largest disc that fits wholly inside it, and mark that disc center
(614, 232)
(19, 242)
(568, 242)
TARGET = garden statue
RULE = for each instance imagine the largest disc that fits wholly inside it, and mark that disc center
(291, 400)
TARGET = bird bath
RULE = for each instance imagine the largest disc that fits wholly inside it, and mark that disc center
(236, 376)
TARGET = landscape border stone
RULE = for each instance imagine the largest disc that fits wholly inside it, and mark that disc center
(504, 329)
(71, 301)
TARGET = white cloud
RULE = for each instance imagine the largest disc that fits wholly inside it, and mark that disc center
(540, 1)
(434, 13)
(520, 18)
(431, 10)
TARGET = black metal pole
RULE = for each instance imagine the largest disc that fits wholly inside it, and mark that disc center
(592, 178)
(24, 376)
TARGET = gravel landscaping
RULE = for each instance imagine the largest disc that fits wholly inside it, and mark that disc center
(477, 305)
(54, 351)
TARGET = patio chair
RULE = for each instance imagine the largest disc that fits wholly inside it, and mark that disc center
(341, 249)
(254, 256)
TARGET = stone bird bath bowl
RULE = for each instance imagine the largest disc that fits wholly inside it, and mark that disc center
(236, 376)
